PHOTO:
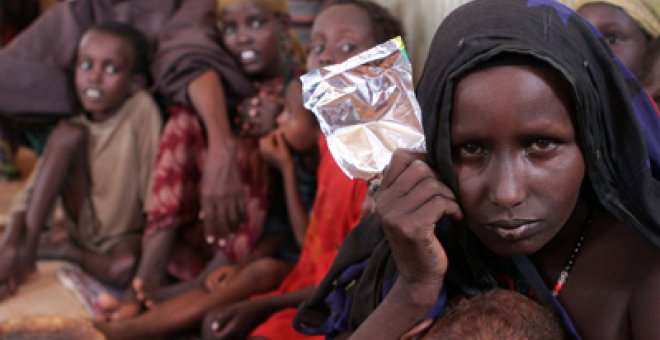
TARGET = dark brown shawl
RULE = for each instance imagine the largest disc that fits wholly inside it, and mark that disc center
(36, 68)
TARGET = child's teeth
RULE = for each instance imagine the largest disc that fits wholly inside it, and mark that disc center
(247, 55)
(93, 93)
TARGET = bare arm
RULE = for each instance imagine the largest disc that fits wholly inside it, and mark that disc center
(409, 203)
(222, 198)
(298, 214)
(274, 149)
(12, 267)
(239, 320)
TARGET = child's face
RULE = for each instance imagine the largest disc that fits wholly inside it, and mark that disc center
(253, 35)
(652, 85)
(103, 73)
(339, 32)
(626, 38)
(519, 170)
(299, 128)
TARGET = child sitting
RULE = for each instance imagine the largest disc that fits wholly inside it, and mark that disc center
(293, 149)
(98, 163)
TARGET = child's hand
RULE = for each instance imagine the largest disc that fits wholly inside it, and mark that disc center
(257, 115)
(275, 151)
(220, 277)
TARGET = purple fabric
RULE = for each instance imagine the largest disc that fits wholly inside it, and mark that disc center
(339, 302)
(563, 11)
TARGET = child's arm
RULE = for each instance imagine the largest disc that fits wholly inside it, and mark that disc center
(275, 151)
(240, 319)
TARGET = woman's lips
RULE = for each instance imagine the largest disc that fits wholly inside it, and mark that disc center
(512, 230)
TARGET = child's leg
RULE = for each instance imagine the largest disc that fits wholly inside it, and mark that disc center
(63, 170)
(115, 268)
(189, 309)
(13, 266)
(151, 272)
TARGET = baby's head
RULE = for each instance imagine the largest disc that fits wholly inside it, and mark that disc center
(497, 314)
(111, 64)
(254, 32)
(651, 70)
(345, 28)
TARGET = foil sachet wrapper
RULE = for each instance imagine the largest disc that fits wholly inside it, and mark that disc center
(366, 108)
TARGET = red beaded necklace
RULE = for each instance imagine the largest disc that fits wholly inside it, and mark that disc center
(561, 281)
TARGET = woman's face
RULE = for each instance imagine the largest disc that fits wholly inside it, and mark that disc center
(253, 35)
(517, 161)
(339, 32)
(626, 38)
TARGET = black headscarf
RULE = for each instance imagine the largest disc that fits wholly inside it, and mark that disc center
(612, 141)
(609, 105)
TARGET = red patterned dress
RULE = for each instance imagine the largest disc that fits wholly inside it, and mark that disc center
(175, 200)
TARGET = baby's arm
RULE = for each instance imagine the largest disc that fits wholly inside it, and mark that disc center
(275, 151)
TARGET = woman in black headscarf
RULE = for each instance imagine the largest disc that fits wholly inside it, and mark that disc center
(538, 179)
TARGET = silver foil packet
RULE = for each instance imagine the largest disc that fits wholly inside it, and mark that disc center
(366, 108)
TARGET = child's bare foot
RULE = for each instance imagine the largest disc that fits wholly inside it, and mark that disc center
(57, 247)
(115, 309)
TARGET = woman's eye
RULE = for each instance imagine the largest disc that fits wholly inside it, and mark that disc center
(612, 38)
(316, 49)
(227, 29)
(542, 144)
(348, 48)
(85, 65)
(110, 69)
(470, 150)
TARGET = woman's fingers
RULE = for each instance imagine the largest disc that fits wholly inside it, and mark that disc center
(401, 160)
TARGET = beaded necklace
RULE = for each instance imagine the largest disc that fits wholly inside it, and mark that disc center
(561, 281)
